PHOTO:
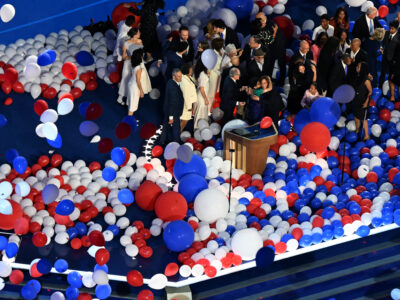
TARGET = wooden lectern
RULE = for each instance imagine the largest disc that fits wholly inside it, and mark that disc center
(251, 145)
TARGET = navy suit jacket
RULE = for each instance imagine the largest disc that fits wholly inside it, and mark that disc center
(361, 31)
(173, 101)
(173, 62)
(229, 96)
(188, 57)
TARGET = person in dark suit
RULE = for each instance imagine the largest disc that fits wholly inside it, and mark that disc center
(363, 29)
(392, 55)
(230, 96)
(225, 73)
(357, 54)
(259, 66)
(226, 33)
(175, 59)
(339, 74)
(173, 44)
(172, 108)
(389, 48)
(327, 58)
(253, 45)
(304, 54)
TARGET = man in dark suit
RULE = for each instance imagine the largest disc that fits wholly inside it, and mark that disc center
(225, 73)
(304, 55)
(258, 66)
(339, 74)
(363, 29)
(226, 33)
(357, 54)
(175, 59)
(230, 96)
(173, 44)
(172, 108)
(390, 45)
(253, 45)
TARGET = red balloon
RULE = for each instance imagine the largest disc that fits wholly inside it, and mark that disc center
(383, 11)
(16, 276)
(157, 151)
(56, 160)
(66, 95)
(145, 251)
(67, 81)
(18, 87)
(34, 271)
(392, 151)
(76, 92)
(315, 137)
(171, 206)
(135, 278)
(8, 101)
(115, 77)
(123, 130)
(94, 166)
(261, 5)
(210, 271)
(40, 106)
(91, 85)
(7, 221)
(2, 78)
(171, 269)
(286, 25)
(6, 87)
(147, 131)
(62, 220)
(43, 87)
(97, 238)
(39, 239)
(272, 2)
(266, 122)
(10, 75)
(43, 160)
(84, 296)
(21, 226)
(385, 115)
(121, 12)
(94, 111)
(49, 93)
(85, 77)
(105, 145)
(145, 295)
(102, 256)
(147, 194)
(69, 70)
(393, 1)
(127, 156)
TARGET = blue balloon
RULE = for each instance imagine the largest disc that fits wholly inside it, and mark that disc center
(103, 267)
(109, 174)
(344, 94)
(57, 143)
(35, 285)
(84, 58)
(284, 126)
(11, 154)
(75, 279)
(72, 293)
(363, 231)
(325, 111)
(44, 266)
(103, 291)
(131, 121)
(20, 164)
(118, 155)
(12, 250)
(65, 207)
(46, 58)
(125, 196)
(3, 120)
(83, 108)
(61, 265)
(241, 8)
(196, 165)
(178, 236)
(3, 242)
(28, 292)
(50, 193)
(191, 185)
(301, 119)
(265, 257)
(88, 128)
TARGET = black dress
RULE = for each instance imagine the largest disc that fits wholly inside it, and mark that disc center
(361, 95)
(298, 88)
(272, 104)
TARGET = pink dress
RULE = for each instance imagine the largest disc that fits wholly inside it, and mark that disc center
(315, 50)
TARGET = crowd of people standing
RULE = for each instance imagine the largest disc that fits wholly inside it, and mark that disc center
(241, 80)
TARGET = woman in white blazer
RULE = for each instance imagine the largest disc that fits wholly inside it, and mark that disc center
(189, 92)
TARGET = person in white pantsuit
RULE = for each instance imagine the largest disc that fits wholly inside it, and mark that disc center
(135, 84)
(188, 88)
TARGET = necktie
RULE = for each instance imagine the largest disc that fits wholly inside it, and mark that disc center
(222, 35)
(390, 38)
(345, 70)
(371, 27)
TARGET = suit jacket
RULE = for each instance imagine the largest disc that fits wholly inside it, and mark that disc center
(391, 49)
(231, 37)
(337, 77)
(246, 55)
(225, 74)
(173, 61)
(172, 46)
(295, 57)
(361, 31)
(230, 95)
(253, 71)
(362, 56)
(173, 100)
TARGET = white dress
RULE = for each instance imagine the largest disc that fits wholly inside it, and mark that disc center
(215, 75)
(189, 95)
(145, 79)
(123, 30)
(127, 70)
(134, 92)
(201, 111)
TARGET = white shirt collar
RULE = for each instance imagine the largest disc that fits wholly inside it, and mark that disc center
(224, 34)
(355, 53)
(344, 65)
(178, 54)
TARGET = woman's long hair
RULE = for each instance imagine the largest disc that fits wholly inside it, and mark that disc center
(136, 58)
(200, 67)
(337, 13)
(362, 76)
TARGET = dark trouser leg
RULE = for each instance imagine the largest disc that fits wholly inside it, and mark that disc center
(176, 130)
(384, 71)
(164, 134)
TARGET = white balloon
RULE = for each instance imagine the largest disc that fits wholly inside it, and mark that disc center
(366, 5)
(362, 171)
(308, 25)
(31, 59)
(49, 115)
(268, 10)
(182, 11)
(155, 94)
(57, 296)
(22, 188)
(32, 71)
(50, 131)
(246, 243)
(5, 269)
(209, 58)
(154, 71)
(35, 90)
(279, 9)
(65, 106)
(211, 205)
(158, 281)
(225, 14)
(39, 130)
(100, 277)
(7, 13)
(194, 30)
(376, 130)
(355, 3)
(321, 10)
